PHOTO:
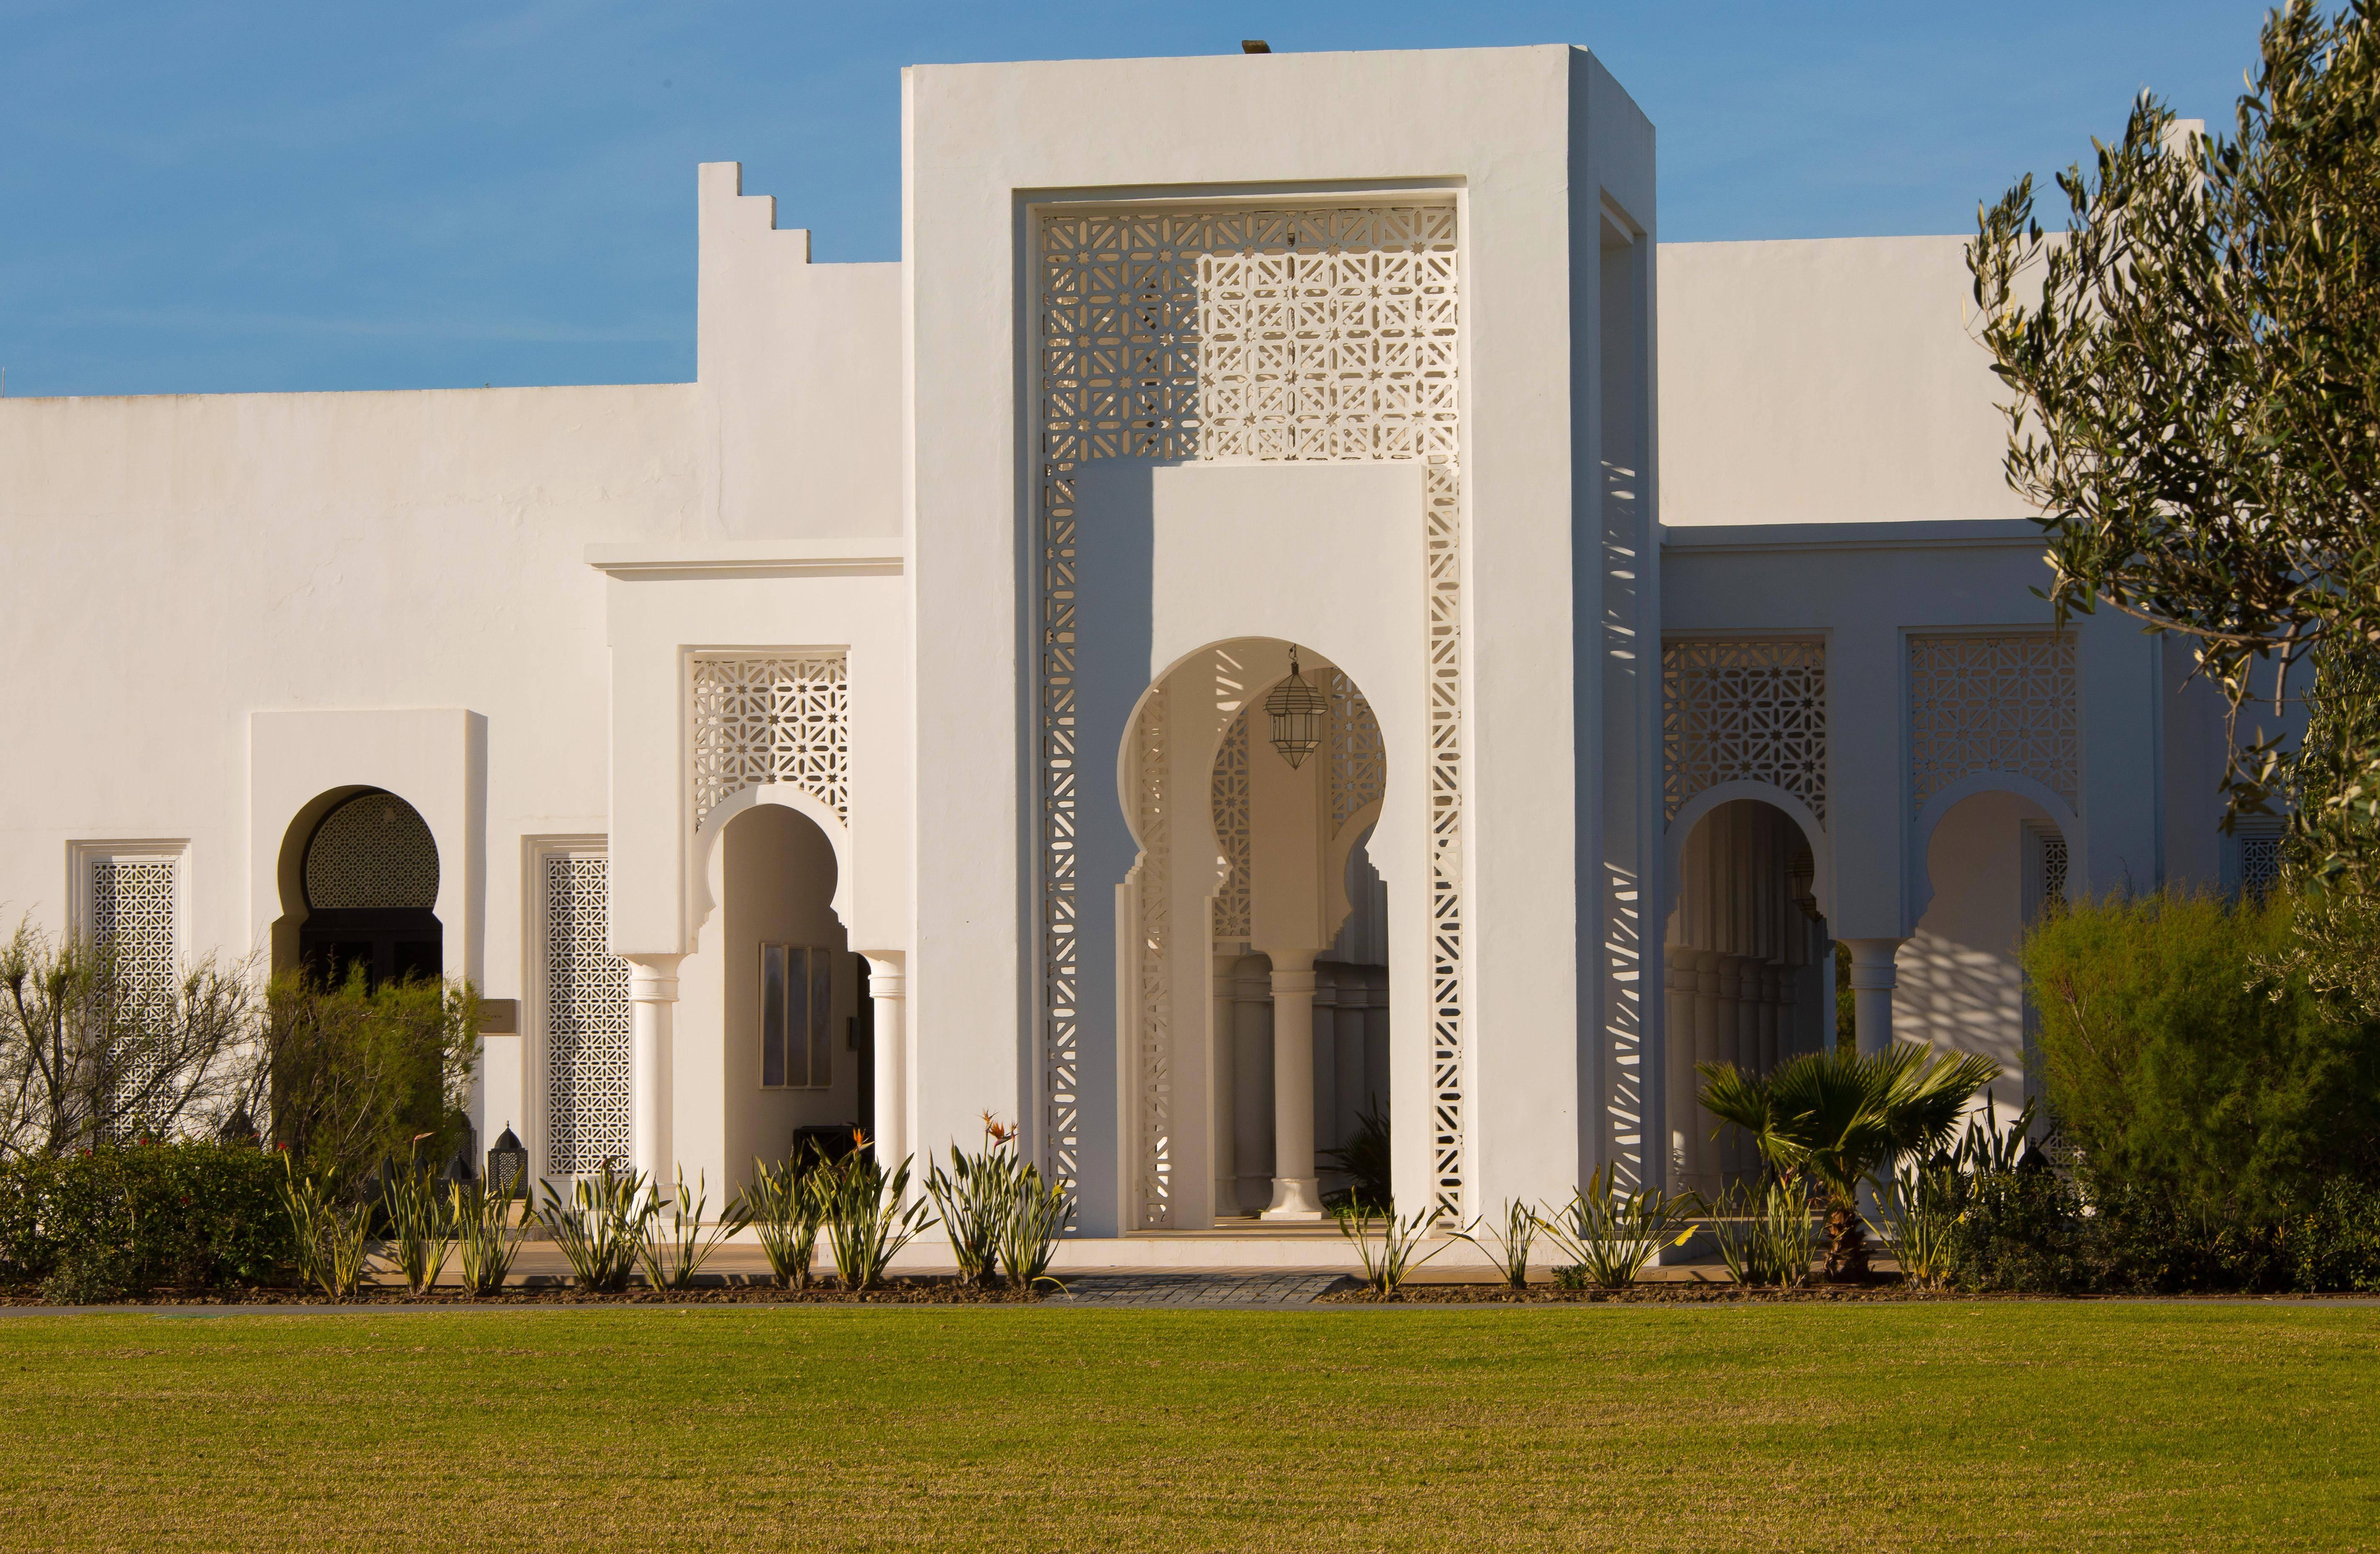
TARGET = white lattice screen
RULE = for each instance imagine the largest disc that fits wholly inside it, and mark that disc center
(1151, 884)
(762, 719)
(132, 914)
(1233, 906)
(1741, 710)
(1253, 334)
(1359, 759)
(587, 1021)
(1995, 703)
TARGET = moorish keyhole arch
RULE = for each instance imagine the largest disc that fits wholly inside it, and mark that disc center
(367, 880)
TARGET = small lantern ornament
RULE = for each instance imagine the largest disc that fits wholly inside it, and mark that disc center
(1296, 709)
(507, 1165)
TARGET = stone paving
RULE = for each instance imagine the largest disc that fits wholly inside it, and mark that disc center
(1197, 1289)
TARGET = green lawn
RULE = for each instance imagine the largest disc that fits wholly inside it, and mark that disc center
(1939, 1426)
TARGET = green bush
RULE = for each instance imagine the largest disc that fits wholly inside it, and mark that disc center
(2023, 1231)
(363, 1076)
(2193, 1076)
(2335, 1244)
(130, 1218)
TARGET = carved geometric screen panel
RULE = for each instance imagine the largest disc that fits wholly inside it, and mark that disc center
(374, 850)
(771, 719)
(1344, 347)
(1233, 906)
(587, 1022)
(2054, 857)
(1256, 334)
(1151, 888)
(132, 915)
(2260, 863)
(2000, 703)
(1735, 710)
(1359, 760)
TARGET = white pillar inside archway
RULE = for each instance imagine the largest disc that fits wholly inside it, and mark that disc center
(653, 999)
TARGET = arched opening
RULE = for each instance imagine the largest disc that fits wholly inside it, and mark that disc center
(1749, 978)
(1257, 933)
(367, 883)
(1995, 862)
(795, 1050)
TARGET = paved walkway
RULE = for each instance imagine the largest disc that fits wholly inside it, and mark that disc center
(1198, 1288)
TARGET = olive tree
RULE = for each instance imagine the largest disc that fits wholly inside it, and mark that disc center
(2194, 366)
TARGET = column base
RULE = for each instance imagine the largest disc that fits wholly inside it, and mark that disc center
(1295, 1197)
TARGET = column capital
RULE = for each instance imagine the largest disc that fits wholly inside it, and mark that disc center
(886, 977)
(1872, 962)
(652, 978)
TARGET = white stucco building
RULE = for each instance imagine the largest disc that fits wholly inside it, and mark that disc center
(875, 729)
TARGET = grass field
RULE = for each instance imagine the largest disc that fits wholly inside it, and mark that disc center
(1941, 1425)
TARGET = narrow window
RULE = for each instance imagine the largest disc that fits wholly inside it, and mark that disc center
(797, 1016)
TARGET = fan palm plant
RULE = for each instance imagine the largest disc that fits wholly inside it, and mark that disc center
(1842, 1118)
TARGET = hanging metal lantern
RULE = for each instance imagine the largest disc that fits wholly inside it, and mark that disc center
(507, 1166)
(1296, 709)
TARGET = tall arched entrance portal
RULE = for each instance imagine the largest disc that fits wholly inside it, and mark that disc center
(369, 878)
(1253, 992)
(1750, 978)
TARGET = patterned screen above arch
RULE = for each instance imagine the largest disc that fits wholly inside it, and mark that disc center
(1735, 709)
(762, 719)
(372, 851)
(2003, 702)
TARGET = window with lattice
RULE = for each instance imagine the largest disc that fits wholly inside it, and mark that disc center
(587, 1023)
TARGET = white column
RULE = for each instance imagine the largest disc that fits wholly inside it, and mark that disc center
(1678, 1048)
(1702, 1148)
(1873, 977)
(652, 993)
(887, 987)
(1251, 1084)
(1773, 982)
(1295, 1193)
(1223, 1090)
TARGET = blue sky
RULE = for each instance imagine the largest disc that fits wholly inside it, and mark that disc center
(329, 196)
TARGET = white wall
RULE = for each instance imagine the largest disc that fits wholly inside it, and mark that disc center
(177, 564)
(1829, 380)
(800, 365)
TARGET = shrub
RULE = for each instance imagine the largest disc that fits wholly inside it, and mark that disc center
(134, 1216)
(420, 1216)
(866, 1223)
(1609, 1236)
(676, 1242)
(975, 1199)
(1390, 1247)
(360, 1074)
(2022, 1231)
(2335, 1244)
(485, 1238)
(2196, 1080)
(1036, 1216)
(1365, 1160)
(89, 1055)
(1766, 1235)
(785, 1206)
(600, 1225)
(1506, 1245)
